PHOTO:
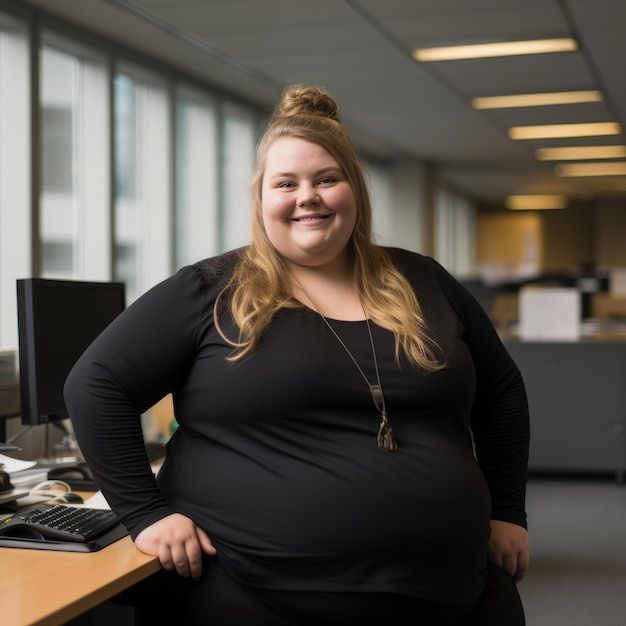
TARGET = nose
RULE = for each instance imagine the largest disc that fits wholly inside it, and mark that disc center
(308, 196)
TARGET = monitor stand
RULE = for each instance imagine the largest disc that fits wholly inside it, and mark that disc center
(8, 447)
(66, 451)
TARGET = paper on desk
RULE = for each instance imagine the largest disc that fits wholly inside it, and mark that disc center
(97, 501)
(25, 479)
(11, 465)
(14, 494)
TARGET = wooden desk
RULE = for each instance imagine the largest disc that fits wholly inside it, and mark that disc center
(47, 588)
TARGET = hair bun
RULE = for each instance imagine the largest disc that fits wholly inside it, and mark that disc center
(303, 100)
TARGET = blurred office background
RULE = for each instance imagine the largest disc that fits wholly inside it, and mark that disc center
(127, 137)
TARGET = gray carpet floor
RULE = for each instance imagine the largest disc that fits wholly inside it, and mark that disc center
(577, 575)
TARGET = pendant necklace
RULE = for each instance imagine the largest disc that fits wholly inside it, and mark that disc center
(385, 438)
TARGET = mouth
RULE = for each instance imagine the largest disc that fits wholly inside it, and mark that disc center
(310, 218)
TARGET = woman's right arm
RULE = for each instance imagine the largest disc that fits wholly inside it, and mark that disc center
(141, 357)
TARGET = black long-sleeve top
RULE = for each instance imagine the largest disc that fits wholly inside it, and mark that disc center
(276, 457)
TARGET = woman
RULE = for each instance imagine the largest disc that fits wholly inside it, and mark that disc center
(353, 436)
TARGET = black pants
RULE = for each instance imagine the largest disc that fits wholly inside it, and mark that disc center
(219, 601)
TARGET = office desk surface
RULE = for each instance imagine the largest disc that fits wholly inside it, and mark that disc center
(48, 588)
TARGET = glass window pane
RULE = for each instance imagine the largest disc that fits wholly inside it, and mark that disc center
(15, 168)
(197, 191)
(455, 232)
(238, 148)
(74, 211)
(126, 205)
(142, 213)
(125, 123)
(381, 193)
(59, 197)
(57, 149)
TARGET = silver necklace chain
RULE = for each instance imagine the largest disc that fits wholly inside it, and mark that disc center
(385, 436)
(377, 390)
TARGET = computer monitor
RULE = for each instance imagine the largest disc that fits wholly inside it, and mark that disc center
(57, 320)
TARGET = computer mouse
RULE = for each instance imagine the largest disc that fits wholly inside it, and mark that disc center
(5, 482)
(77, 475)
(72, 498)
(66, 473)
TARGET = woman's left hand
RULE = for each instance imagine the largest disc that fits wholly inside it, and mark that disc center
(508, 548)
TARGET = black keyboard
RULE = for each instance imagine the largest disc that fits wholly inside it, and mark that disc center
(68, 523)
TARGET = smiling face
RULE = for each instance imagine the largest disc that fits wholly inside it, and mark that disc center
(308, 207)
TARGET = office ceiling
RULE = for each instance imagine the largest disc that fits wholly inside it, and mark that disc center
(397, 107)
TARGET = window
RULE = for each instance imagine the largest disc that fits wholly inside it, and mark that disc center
(381, 196)
(455, 233)
(238, 147)
(60, 203)
(142, 180)
(74, 204)
(196, 224)
(15, 170)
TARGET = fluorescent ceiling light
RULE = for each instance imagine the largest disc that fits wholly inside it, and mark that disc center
(536, 202)
(536, 99)
(575, 153)
(591, 169)
(547, 131)
(499, 49)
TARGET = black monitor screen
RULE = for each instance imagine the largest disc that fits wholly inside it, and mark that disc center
(57, 320)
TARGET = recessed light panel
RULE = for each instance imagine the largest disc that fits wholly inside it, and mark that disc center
(498, 49)
(576, 153)
(536, 202)
(549, 131)
(591, 169)
(536, 99)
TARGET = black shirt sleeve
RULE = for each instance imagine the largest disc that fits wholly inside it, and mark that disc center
(140, 358)
(500, 415)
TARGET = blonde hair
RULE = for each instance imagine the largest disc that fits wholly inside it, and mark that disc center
(260, 285)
